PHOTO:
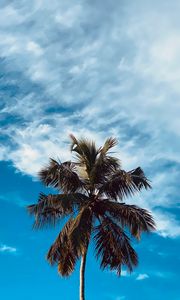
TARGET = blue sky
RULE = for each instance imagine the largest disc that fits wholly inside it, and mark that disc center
(95, 69)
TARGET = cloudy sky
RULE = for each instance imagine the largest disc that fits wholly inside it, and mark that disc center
(95, 69)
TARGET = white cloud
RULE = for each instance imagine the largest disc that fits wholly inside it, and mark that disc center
(69, 17)
(124, 273)
(2, 152)
(7, 249)
(167, 224)
(10, 17)
(114, 297)
(142, 276)
(106, 77)
(34, 48)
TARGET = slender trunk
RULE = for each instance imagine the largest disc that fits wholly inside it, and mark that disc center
(82, 275)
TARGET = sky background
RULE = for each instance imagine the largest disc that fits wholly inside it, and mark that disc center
(95, 69)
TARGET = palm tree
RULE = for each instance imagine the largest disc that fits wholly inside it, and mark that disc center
(92, 190)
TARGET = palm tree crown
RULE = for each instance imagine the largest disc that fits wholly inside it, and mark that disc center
(92, 192)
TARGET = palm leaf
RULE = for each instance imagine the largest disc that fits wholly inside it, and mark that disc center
(81, 229)
(113, 247)
(137, 220)
(103, 167)
(71, 242)
(50, 208)
(109, 143)
(62, 252)
(139, 179)
(86, 152)
(62, 176)
(104, 164)
(91, 187)
(122, 184)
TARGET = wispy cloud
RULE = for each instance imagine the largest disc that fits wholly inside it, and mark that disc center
(7, 249)
(113, 297)
(142, 276)
(89, 73)
(124, 273)
(167, 224)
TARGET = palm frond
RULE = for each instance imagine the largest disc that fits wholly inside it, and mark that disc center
(51, 208)
(113, 247)
(91, 187)
(109, 143)
(71, 242)
(122, 184)
(81, 229)
(62, 252)
(137, 220)
(104, 166)
(62, 176)
(139, 179)
(86, 152)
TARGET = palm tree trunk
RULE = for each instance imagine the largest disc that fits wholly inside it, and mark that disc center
(82, 276)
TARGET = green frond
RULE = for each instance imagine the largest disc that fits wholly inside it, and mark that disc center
(113, 247)
(62, 176)
(136, 219)
(51, 208)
